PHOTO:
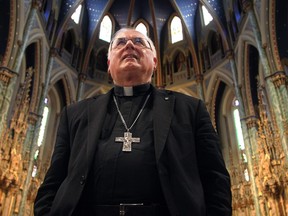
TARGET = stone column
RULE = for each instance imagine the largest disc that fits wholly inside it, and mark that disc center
(248, 142)
(81, 82)
(273, 93)
(199, 81)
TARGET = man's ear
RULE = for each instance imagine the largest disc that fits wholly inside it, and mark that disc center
(108, 62)
(155, 62)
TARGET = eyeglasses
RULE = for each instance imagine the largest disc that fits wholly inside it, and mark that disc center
(119, 43)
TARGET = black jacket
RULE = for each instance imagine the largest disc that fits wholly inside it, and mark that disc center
(190, 164)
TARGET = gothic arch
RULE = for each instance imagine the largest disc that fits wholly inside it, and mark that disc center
(68, 83)
(223, 75)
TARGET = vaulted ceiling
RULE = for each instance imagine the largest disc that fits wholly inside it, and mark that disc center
(155, 12)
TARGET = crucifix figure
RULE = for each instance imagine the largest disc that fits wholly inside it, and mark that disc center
(127, 140)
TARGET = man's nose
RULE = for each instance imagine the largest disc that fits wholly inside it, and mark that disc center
(129, 44)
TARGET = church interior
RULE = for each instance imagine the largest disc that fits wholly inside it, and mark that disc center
(232, 54)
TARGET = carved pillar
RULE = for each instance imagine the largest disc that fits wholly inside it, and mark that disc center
(10, 89)
(36, 129)
(6, 75)
(271, 90)
(248, 143)
(81, 81)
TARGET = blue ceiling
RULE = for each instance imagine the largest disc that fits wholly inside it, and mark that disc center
(282, 28)
(127, 12)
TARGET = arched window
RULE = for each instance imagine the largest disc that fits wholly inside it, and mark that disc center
(106, 29)
(176, 30)
(239, 135)
(76, 15)
(142, 28)
(207, 18)
(43, 123)
(41, 135)
(237, 124)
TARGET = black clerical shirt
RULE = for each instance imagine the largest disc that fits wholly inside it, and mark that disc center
(126, 177)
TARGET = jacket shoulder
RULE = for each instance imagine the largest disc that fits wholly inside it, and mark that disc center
(84, 103)
(180, 97)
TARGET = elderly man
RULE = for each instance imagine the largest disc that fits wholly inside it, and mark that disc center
(135, 150)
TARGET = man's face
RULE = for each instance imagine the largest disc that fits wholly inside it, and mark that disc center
(131, 62)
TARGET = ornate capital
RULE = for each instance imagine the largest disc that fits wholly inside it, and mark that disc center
(251, 122)
(278, 78)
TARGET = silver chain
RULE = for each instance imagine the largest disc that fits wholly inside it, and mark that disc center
(121, 116)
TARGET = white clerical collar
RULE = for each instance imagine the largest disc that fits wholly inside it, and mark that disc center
(128, 91)
(131, 90)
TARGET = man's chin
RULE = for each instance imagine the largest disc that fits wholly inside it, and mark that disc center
(129, 67)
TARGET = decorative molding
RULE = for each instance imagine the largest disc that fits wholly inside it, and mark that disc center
(6, 74)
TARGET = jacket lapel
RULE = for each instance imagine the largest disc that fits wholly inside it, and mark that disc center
(97, 111)
(163, 106)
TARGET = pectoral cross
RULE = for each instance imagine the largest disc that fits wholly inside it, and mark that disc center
(127, 140)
